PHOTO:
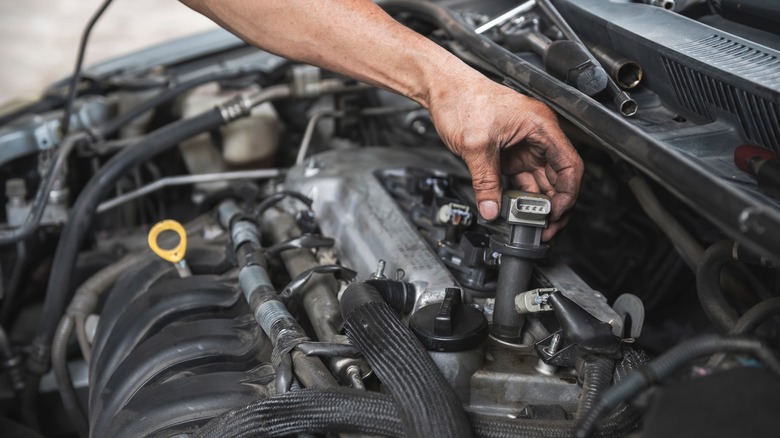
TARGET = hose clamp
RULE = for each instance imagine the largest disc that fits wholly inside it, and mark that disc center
(235, 108)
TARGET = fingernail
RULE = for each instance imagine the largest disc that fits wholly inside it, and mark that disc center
(488, 210)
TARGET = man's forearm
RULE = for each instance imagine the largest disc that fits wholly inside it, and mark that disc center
(491, 127)
(352, 37)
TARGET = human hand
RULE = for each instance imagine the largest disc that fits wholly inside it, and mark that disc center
(496, 130)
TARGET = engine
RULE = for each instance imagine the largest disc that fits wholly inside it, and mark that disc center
(231, 244)
(176, 347)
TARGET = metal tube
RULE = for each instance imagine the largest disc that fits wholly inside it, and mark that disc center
(318, 297)
(186, 180)
(625, 72)
(308, 134)
(303, 149)
(506, 16)
(666, 4)
(625, 104)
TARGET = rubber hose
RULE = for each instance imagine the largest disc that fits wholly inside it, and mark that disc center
(59, 359)
(718, 310)
(625, 418)
(663, 366)
(14, 283)
(687, 247)
(748, 323)
(284, 375)
(426, 402)
(88, 294)
(82, 338)
(597, 372)
(757, 315)
(123, 119)
(41, 198)
(79, 222)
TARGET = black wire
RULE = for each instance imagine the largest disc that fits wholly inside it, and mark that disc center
(34, 216)
(660, 368)
(278, 197)
(14, 283)
(74, 81)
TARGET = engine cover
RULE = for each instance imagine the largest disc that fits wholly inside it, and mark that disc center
(354, 208)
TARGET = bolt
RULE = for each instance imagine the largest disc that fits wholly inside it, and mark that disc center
(541, 366)
(380, 270)
(555, 344)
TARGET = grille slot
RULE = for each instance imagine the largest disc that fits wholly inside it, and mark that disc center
(736, 58)
(698, 92)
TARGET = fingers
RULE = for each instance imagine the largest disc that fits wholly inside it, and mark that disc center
(554, 227)
(526, 182)
(566, 191)
(561, 202)
(561, 176)
(486, 181)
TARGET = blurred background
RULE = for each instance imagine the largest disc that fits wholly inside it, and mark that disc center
(39, 38)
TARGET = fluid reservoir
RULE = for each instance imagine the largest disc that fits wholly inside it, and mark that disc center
(248, 142)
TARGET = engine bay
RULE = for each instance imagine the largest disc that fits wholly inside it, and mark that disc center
(229, 243)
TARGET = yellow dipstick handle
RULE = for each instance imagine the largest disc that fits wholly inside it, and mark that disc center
(176, 254)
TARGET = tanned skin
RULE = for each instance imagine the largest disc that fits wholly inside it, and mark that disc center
(493, 129)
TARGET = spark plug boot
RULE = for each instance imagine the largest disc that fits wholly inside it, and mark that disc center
(526, 215)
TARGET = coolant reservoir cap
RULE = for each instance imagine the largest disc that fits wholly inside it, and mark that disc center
(450, 325)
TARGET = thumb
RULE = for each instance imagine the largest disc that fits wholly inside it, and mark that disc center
(486, 180)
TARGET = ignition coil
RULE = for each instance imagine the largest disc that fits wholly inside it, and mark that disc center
(526, 215)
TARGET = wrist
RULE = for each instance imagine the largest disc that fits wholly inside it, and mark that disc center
(450, 82)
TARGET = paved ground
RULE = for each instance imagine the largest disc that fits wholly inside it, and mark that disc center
(39, 38)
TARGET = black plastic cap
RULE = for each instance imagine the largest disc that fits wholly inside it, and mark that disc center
(570, 62)
(450, 325)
